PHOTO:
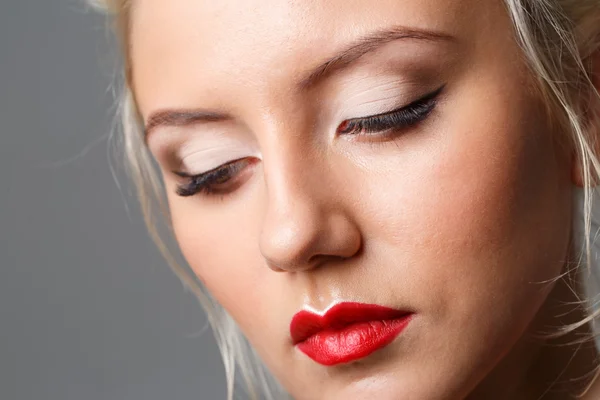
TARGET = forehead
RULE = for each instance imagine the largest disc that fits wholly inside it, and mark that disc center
(180, 46)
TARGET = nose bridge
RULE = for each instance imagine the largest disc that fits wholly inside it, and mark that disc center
(293, 171)
(304, 222)
(293, 155)
(296, 207)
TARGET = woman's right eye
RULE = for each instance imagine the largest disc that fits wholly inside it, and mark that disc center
(218, 181)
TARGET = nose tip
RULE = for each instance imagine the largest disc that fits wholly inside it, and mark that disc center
(303, 238)
(290, 245)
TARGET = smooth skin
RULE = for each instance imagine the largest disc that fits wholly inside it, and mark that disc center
(463, 218)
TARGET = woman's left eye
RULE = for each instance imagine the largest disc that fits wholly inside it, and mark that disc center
(400, 118)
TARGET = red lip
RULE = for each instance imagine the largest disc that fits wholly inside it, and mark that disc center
(347, 332)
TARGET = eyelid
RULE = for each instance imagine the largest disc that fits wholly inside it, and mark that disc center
(206, 160)
(183, 174)
(423, 99)
(376, 96)
(209, 150)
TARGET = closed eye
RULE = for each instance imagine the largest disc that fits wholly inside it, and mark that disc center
(227, 177)
(221, 180)
(398, 119)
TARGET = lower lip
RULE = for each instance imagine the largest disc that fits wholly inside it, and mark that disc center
(333, 347)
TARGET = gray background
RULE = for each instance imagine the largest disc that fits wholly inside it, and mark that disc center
(88, 308)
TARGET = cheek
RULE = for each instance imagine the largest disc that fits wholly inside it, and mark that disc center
(220, 243)
(504, 196)
(482, 218)
(501, 222)
(217, 245)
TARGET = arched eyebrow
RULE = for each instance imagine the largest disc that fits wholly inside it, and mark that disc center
(367, 44)
(181, 117)
(339, 61)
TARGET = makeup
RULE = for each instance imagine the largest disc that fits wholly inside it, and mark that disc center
(347, 331)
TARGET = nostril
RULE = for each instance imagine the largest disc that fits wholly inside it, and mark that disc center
(273, 267)
(299, 244)
(289, 240)
(314, 262)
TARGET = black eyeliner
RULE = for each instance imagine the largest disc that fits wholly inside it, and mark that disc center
(402, 117)
(204, 181)
(399, 118)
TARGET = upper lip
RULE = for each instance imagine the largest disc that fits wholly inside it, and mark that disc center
(306, 324)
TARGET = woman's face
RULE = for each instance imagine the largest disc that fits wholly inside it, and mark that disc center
(389, 153)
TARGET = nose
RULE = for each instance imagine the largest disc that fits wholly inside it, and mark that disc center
(305, 222)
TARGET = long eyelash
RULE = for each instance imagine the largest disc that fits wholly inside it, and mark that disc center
(401, 118)
(205, 182)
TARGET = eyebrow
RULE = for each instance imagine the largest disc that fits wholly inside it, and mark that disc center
(365, 45)
(180, 118)
(341, 60)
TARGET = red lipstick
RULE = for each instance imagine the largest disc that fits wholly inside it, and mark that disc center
(347, 332)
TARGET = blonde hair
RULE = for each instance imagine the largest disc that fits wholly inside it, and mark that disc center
(558, 39)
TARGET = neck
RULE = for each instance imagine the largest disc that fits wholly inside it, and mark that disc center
(549, 367)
